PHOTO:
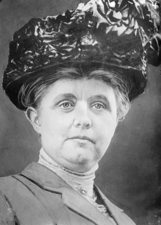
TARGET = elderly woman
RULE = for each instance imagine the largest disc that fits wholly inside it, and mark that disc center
(74, 75)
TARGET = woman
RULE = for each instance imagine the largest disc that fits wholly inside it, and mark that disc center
(74, 75)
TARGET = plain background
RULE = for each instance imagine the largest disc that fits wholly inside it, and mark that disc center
(129, 173)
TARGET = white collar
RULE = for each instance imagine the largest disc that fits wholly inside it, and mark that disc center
(82, 182)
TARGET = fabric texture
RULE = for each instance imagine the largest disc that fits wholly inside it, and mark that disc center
(38, 196)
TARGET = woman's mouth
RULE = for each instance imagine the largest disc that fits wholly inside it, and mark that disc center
(82, 139)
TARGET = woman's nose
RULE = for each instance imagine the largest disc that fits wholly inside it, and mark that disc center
(82, 118)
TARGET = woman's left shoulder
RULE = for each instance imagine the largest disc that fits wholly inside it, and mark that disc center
(120, 216)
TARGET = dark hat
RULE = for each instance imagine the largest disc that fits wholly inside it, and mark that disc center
(120, 35)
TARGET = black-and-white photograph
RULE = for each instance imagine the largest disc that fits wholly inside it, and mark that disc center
(80, 112)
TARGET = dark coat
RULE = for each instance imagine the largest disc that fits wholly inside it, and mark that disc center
(38, 196)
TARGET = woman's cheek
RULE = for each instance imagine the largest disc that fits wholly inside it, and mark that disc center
(106, 133)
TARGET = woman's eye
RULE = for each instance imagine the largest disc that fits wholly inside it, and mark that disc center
(66, 105)
(99, 106)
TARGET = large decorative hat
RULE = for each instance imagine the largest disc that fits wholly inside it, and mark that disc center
(121, 35)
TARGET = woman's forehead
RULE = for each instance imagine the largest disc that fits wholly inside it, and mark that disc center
(80, 86)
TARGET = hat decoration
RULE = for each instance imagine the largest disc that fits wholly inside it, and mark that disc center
(123, 35)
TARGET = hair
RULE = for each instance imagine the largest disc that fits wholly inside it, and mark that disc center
(33, 91)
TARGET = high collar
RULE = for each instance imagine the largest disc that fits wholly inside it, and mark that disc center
(49, 181)
(79, 181)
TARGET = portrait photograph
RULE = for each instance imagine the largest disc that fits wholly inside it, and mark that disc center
(80, 112)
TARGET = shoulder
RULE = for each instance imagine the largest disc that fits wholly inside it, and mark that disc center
(8, 187)
(19, 203)
(6, 212)
(7, 184)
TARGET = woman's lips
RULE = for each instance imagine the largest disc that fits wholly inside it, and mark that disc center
(82, 138)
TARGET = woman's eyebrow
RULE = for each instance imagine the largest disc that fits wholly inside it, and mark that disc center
(64, 96)
(100, 98)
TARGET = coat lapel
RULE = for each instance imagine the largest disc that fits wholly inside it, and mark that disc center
(72, 199)
(118, 214)
(79, 204)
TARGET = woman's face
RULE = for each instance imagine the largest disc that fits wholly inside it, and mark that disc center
(76, 120)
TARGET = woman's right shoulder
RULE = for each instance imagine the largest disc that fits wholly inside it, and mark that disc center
(6, 215)
(7, 184)
(15, 198)
(11, 191)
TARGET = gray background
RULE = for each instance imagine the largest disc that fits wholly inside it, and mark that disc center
(129, 173)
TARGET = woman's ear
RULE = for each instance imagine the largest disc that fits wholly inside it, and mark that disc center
(32, 116)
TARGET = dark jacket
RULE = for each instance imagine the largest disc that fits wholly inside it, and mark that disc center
(38, 196)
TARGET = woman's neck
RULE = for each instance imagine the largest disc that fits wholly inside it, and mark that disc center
(82, 182)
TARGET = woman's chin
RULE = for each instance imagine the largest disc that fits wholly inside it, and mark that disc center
(81, 161)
